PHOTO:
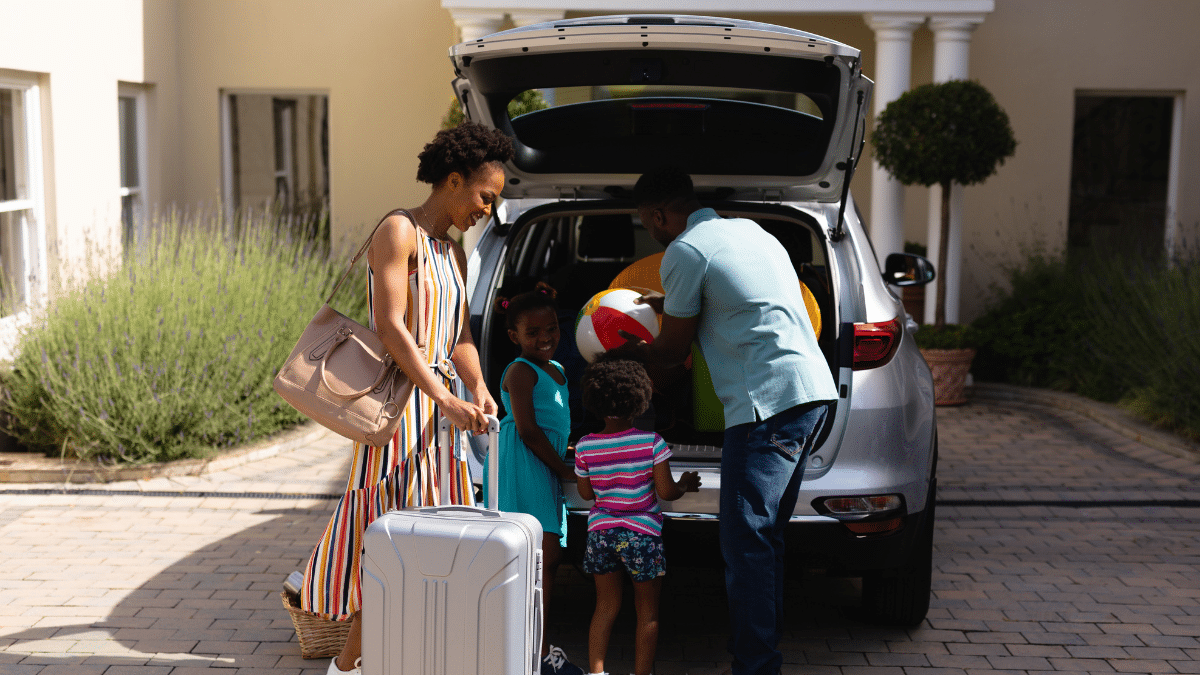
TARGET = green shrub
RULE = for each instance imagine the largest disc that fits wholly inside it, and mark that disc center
(1107, 327)
(1149, 314)
(174, 354)
(947, 336)
(1041, 333)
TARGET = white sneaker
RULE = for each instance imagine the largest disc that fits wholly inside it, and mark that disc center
(334, 670)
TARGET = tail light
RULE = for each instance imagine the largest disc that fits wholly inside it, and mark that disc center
(875, 343)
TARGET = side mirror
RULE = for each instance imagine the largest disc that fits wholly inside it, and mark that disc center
(906, 269)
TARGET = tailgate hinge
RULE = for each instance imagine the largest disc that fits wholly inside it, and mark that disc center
(568, 193)
(772, 195)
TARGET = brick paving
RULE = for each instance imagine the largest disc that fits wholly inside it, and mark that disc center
(1062, 545)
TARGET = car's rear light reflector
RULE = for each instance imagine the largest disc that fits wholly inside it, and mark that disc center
(875, 526)
(875, 343)
(862, 506)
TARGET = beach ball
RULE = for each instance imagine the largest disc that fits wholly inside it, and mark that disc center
(610, 311)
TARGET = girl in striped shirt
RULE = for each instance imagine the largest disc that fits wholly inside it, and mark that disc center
(622, 468)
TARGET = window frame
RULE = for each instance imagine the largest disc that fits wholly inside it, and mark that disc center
(133, 232)
(229, 175)
(30, 202)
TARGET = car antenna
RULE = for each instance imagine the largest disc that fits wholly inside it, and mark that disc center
(848, 168)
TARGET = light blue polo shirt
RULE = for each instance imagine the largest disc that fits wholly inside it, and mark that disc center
(753, 330)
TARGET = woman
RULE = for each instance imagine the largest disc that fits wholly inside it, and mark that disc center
(465, 166)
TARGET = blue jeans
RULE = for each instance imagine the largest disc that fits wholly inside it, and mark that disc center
(762, 465)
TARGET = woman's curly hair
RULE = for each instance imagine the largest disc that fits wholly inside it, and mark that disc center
(462, 149)
(616, 387)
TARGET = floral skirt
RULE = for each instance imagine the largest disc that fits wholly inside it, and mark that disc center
(617, 548)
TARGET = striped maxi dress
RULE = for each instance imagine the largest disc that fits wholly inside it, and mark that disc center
(403, 472)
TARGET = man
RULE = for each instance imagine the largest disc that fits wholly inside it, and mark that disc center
(730, 286)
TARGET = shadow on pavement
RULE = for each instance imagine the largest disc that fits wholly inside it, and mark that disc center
(219, 606)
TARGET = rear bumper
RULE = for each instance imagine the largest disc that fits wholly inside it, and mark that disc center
(810, 542)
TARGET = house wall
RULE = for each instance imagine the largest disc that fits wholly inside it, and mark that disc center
(78, 51)
(1034, 56)
(383, 64)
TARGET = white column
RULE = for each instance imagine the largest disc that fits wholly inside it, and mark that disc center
(472, 25)
(951, 61)
(893, 75)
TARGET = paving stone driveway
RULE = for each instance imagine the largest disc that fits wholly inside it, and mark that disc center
(1061, 546)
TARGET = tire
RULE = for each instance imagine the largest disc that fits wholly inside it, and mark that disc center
(900, 597)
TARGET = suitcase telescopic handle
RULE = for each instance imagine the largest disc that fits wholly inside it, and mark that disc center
(446, 443)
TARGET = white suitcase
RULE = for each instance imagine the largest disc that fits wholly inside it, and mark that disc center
(453, 590)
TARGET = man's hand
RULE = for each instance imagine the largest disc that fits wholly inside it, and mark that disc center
(652, 298)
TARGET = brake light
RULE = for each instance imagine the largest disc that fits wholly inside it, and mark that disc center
(875, 343)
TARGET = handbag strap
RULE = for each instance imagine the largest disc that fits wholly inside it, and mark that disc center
(420, 272)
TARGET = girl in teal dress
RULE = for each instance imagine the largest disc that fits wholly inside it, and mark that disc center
(533, 439)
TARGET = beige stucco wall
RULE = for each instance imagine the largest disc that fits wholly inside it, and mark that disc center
(382, 63)
(78, 51)
(1035, 56)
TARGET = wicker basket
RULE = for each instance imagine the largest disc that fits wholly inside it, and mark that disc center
(320, 638)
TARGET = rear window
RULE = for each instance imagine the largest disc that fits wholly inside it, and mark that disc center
(619, 112)
(533, 100)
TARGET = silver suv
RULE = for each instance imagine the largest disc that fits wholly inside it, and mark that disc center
(770, 122)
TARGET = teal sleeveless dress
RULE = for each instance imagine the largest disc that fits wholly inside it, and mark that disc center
(526, 484)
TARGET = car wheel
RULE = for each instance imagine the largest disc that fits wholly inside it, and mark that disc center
(900, 597)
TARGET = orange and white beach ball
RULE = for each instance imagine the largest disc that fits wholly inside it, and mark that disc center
(610, 311)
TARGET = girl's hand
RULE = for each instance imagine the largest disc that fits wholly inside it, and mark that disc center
(689, 481)
(464, 415)
(566, 473)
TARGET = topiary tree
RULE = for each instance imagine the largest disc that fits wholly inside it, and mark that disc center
(940, 134)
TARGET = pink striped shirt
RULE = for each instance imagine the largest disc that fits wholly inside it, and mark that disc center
(621, 469)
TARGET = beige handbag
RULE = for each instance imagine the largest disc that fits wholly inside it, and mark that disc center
(342, 376)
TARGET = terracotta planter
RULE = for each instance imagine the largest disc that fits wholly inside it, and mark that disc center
(950, 368)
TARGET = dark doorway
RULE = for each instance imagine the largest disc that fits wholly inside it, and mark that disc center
(1119, 174)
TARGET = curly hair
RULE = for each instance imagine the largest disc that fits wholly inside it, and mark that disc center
(541, 297)
(462, 149)
(663, 185)
(616, 387)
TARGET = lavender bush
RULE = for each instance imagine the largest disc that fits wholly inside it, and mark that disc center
(174, 354)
